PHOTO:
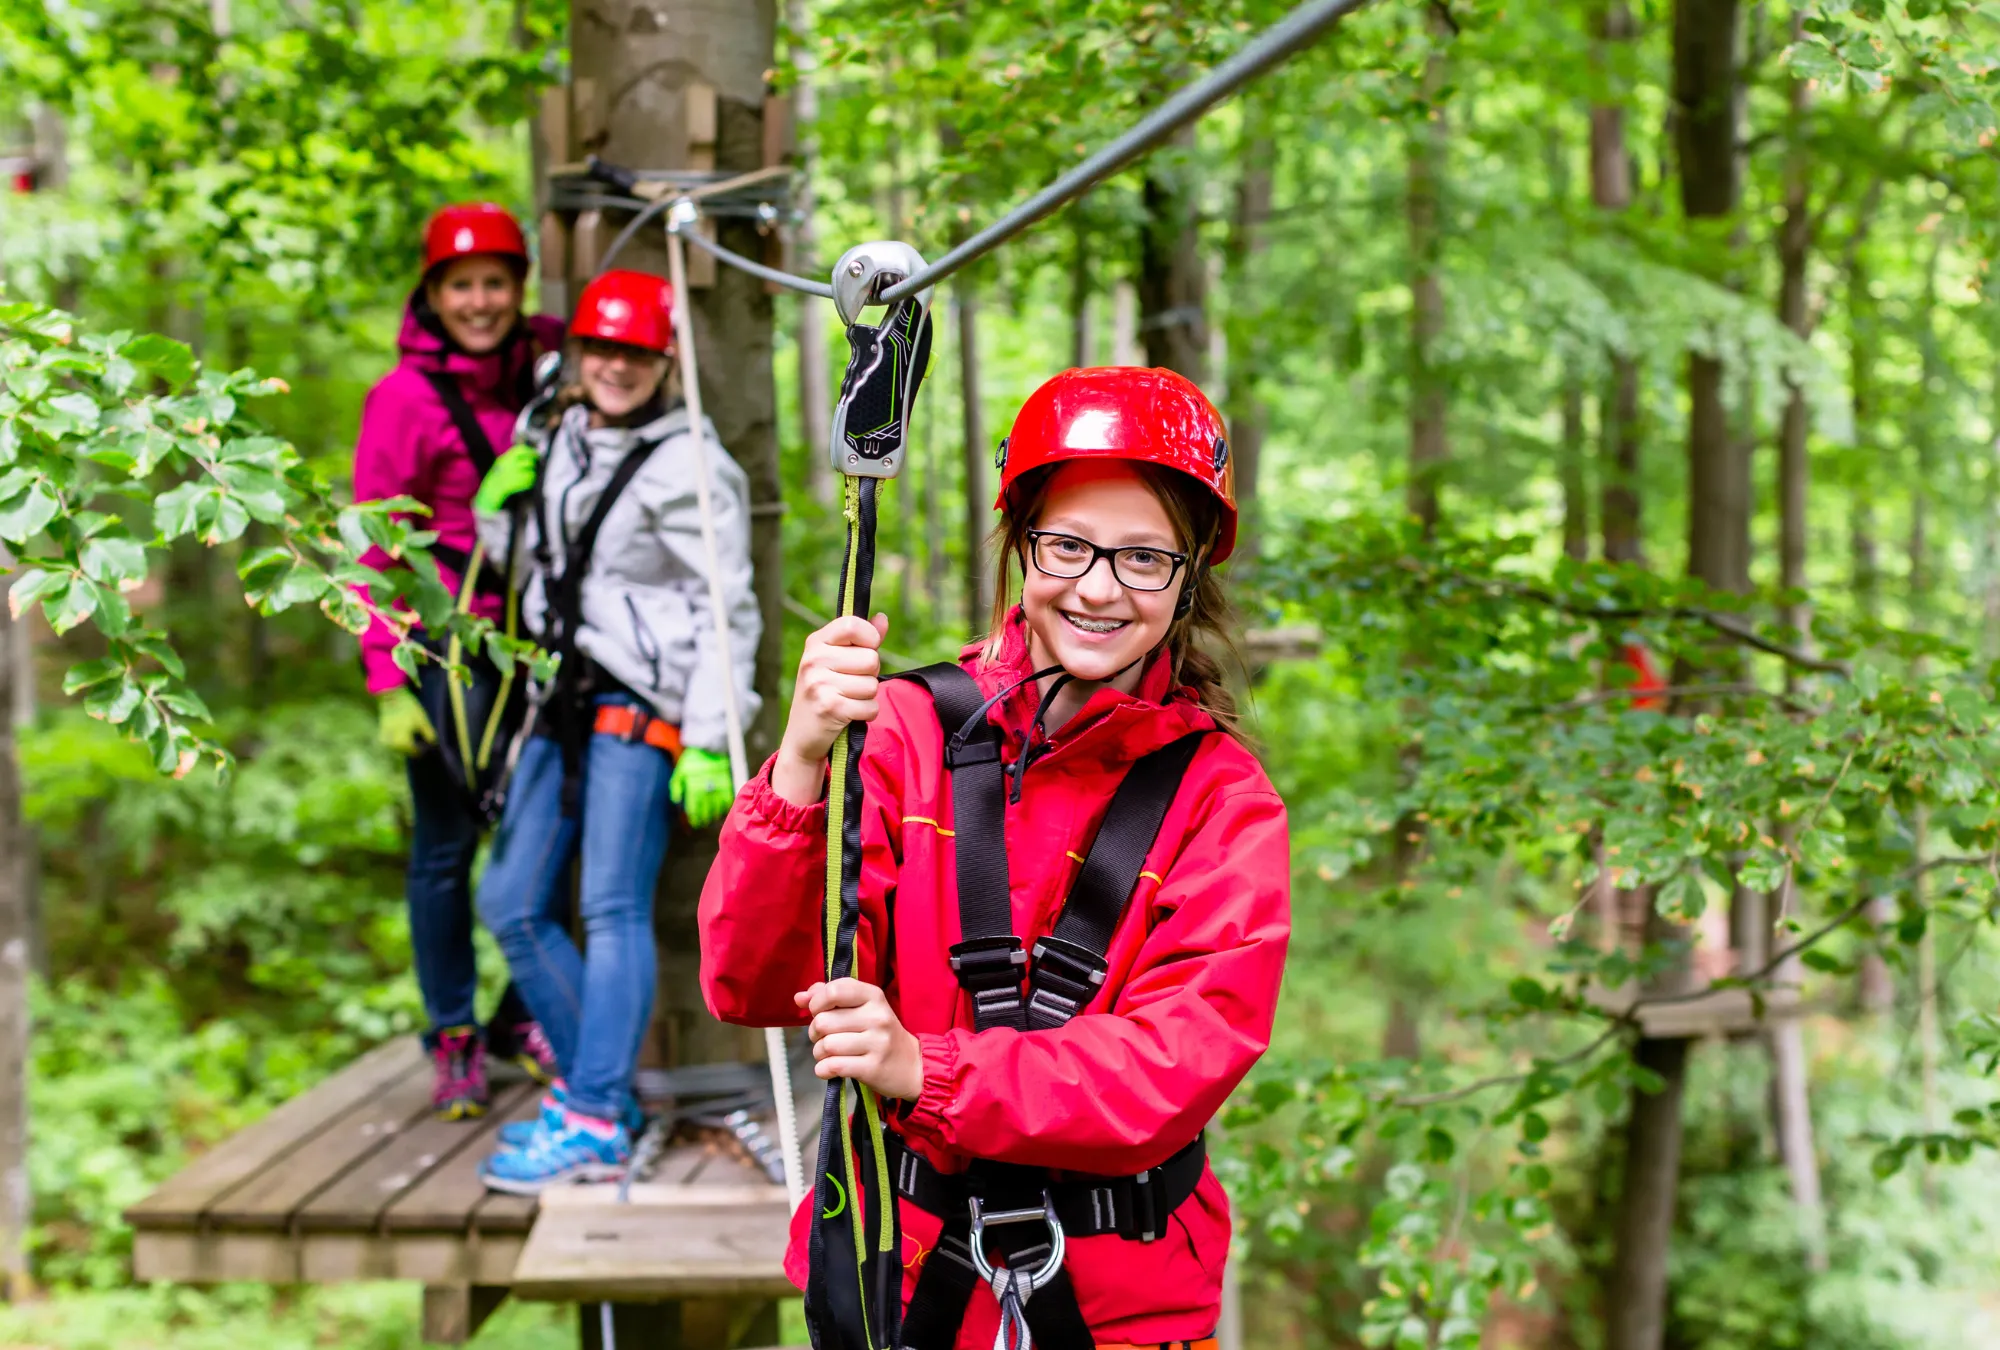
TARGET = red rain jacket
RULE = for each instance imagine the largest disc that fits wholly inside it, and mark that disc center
(1185, 1010)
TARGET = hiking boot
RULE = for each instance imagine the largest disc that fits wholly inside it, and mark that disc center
(458, 1061)
(523, 1043)
(575, 1150)
(517, 1133)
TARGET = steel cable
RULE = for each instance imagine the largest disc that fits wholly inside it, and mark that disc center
(1281, 41)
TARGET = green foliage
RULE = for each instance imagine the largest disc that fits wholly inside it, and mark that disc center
(85, 418)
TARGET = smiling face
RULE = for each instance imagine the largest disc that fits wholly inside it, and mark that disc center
(1093, 625)
(618, 379)
(477, 299)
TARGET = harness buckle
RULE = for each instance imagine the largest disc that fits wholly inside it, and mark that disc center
(1066, 978)
(981, 963)
(1145, 1204)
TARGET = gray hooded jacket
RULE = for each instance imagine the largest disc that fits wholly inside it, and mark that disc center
(645, 615)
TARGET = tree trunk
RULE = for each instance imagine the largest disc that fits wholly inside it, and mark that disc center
(1790, 1092)
(1173, 322)
(1082, 350)
(1877, 983)
(1249, 417)
(978, 501)
(815, 397)
(636, 67)
(1635, 1307)
(1424, 170)
(1611, 193)
(1707, 96)
(16, 944)
(1575, 488)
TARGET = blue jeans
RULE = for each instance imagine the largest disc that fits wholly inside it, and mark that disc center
(438, 890)
(595, 1004)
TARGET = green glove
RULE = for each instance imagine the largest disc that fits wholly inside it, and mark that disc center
(513, 473)
(701, 787)
(402, 724)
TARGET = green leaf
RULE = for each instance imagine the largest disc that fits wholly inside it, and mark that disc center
(114, 561)
(34, 584)
(172, 362)
(91, 673)
(25, 516)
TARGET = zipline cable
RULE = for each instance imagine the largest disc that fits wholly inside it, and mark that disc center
(783, 1104)
(1276, 44)
(1280, 41)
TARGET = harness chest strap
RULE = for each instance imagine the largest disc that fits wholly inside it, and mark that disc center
(1069, 965)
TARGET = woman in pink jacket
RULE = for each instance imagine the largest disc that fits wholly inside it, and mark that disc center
(1074, 893)
(429, 430)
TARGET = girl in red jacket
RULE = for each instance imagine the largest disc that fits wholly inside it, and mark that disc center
(1078, 1060)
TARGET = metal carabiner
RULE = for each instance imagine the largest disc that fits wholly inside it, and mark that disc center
(866, 270)
(1013, 1288)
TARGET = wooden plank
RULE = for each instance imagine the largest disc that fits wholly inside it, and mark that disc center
(726, 1170)
(453, 1313)
(447, 1199)
(274, 1195)
(184, 1256)
(182, 1198)
(360, 1197)
(1717, 1012)
(701, 1243)
(499, 1213)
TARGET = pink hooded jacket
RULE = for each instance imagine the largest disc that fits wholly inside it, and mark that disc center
(409, 447)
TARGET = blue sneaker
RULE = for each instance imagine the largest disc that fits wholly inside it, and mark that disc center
(558, 1157)
(517, 1133)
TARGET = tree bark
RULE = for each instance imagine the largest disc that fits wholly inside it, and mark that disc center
(1172, 282)
(1082, 349)
(1790, 1090)
(1635, 1307)
(978, 499)
(1876, 983)
(1575, 487)
(16, 945)
(1424, 168)
(1249, 417)
(1707, 98)
(1611, 192)
(815, 396)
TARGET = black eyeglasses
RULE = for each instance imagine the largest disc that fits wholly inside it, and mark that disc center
(1138, 567)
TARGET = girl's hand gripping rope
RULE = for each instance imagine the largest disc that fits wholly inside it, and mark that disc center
(839, 674)
(857, 1035)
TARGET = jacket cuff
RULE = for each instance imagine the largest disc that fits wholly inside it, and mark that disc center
(926, 1114)
(761, 803)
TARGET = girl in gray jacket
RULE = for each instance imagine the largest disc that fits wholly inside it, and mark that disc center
(634, 722)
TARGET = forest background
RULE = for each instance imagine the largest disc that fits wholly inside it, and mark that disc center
(1544, 332)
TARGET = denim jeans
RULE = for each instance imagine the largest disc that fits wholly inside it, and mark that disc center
(437, 887)
(595, 1004)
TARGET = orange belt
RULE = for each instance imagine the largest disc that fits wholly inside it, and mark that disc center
(629, 723)
(1208, 1344)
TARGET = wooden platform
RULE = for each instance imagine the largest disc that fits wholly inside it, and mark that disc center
(1714, 1012)
(355, 1180)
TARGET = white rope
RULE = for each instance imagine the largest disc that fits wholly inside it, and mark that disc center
(739, 759)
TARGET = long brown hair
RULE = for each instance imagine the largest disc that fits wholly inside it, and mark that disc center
(1208, 623)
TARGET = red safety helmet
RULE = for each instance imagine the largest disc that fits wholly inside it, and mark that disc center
(635, 308)
(1125, 412)
(472, 227)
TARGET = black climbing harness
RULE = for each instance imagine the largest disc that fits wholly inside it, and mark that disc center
(1028, 1212)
